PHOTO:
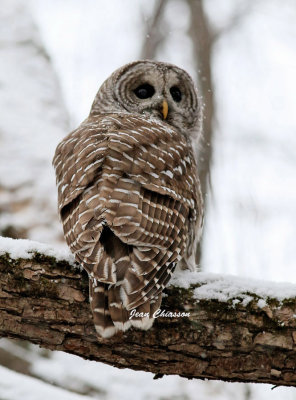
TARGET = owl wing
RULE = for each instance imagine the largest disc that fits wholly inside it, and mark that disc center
(77, 161)
(129, 202)
(154, 206)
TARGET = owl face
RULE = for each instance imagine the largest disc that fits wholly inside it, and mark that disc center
(152, 89)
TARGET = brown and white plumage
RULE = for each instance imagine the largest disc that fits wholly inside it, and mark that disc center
(129, 196)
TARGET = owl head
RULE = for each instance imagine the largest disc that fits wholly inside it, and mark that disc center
(152, 89)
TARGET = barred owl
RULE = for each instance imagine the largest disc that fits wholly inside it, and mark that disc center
(128, 191)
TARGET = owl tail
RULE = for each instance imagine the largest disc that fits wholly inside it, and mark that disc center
(98, 295)
(109, 314)
(140, 317)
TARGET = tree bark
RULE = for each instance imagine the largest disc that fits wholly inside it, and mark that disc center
(45, 301)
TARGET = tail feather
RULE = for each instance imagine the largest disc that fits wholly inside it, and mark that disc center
(110, 316)
(119, 315)
(122, 293)
(99, 307)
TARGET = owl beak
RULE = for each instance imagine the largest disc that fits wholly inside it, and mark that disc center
(165, 109)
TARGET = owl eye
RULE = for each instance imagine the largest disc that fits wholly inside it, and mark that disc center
(176, 94)
(144, 91)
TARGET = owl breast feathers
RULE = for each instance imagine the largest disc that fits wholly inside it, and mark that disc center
(130, 204)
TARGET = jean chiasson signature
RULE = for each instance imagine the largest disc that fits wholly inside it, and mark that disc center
(159, 313)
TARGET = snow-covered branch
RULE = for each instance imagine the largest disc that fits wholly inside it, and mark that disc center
(237, 330)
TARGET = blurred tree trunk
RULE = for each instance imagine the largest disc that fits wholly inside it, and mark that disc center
(33, 120)
(202, 39)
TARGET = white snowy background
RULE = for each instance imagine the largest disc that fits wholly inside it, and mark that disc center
(53, 57)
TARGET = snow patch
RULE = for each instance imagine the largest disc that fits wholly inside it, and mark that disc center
(15, 386)
(23, 248)
(225, 288)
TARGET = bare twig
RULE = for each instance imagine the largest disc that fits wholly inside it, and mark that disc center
(154, 34)
(240, 12)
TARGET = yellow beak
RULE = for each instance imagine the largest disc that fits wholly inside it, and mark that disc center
(165, 109)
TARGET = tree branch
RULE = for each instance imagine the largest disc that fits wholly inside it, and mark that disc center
(240, 12)
(45, 301)
(154, 31)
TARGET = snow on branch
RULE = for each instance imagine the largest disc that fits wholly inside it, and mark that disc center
(235, 329)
